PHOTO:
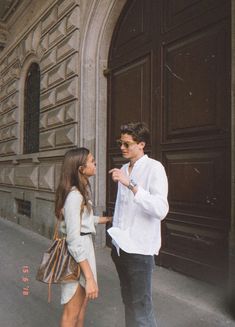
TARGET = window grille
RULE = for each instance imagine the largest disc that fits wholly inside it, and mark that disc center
(32, 109)
(24, 207)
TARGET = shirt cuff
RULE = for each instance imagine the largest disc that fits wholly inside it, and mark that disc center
(139, 194)
(96, 220)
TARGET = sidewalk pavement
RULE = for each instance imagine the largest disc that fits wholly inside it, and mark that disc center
(179, 301)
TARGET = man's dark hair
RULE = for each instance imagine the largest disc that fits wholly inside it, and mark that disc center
(138, 130)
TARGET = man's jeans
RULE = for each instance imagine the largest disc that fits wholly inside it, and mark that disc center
(135, 274)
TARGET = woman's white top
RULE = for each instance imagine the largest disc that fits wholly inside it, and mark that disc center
(72, 224)
(80, 247)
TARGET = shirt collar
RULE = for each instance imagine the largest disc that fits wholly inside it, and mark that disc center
(140, 160)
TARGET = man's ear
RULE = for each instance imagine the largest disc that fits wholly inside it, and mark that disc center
(142, 144)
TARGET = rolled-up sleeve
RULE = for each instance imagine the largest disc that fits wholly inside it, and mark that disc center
(72, 209)
(154, 201)
(96, 220)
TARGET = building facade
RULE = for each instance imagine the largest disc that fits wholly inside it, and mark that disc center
(72, 70)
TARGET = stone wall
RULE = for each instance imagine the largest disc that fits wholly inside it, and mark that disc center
(52, 40)
(70, 41)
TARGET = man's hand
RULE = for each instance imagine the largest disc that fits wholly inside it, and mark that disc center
(119, 176)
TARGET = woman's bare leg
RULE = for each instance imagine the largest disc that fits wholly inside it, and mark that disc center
(72, 309)
(81, 317)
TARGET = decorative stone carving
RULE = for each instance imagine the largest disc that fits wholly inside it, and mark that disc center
(36, 37)
(55, 117)
(28, 42)
(10, 147)
(47, 99)
(57, 33)
(48, 60)
(49, 20)
(9, 176)
(68, 45)
(65, 6)
(56, 75)
(46, 176)
(44, 44)
(73, 19)
(47, 140)
(11, 117)
(43, 120)
(67, 90)
(70, 112)
(3, 36)
(65, 136)
(43, 82)
(26, 175)
(12, 87)
(71, 66)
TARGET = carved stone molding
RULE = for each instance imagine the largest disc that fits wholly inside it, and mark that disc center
(3, 36)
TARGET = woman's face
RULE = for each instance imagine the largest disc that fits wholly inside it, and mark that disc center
(90, 167)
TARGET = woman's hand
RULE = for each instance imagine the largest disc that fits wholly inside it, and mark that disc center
(105, 220)
(91, 288)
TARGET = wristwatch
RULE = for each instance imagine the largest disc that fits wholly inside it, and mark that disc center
(131, 185)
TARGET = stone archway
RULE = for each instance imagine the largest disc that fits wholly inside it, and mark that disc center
(95, 43)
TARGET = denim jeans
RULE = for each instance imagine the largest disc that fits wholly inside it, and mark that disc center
(135, 275)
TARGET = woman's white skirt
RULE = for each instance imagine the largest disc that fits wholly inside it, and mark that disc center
(69, 289)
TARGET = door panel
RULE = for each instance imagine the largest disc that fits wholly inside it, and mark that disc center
(169, 66)
(130, 98)
(194, 100)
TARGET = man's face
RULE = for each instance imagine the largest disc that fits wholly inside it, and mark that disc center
(130, 148)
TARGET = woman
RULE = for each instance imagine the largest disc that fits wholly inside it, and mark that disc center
(73, 201)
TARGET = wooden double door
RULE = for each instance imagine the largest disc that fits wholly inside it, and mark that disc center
(169, 66)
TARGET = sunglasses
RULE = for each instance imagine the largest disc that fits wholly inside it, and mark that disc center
(126, 143)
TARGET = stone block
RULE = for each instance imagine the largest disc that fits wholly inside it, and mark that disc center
(49, 20)
(47, 140)
(68, 45)
(56, 75)
(73, 19)
(26, 175)
(28, 42)
(65, 136)
(36, 37)
(48, 60)
(9, 176)
(47, 99)
(57, 33)
(12, 87)
(46, 176)
(44, 82)
(55, 117)
(44, 44)
(67, 90)
(65, 6)
(70, 112)
(71, 66)
(10, 147)
(11, 117)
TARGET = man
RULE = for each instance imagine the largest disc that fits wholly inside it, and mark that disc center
(140, 206)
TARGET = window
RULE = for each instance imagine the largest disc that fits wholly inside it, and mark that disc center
(32, 109)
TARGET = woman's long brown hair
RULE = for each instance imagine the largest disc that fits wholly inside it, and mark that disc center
(71, 176)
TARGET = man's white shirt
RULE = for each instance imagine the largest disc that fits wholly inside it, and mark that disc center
(137, 218)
